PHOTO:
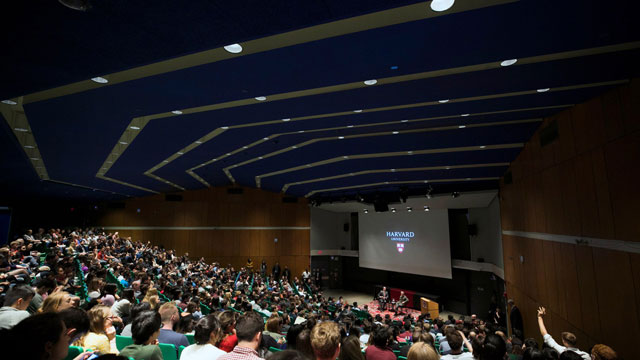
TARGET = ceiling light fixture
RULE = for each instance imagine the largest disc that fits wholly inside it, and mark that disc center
(261, 98)
(395, 132)
(455, 194)
(345, 157)
(224, 127)
(21, 129)
(134, 128)
(165, 161)
(371, 82)
(543, 90)
(294, 147)
(349, 126)
(340, 137)
(228, 154)
(300, 131)
(357, 111)
(198, 142)
(392, 170)
(443, 101)
(410, 152)
(99, 80)
(260, 157)
(409, 209)
(244, 147)
(29, 147)
(508, 62)
(482, 146)
(366, 211)
(177, 112)
(393, 210)
(464, 115)
(426, 208)
(404, 120)
(35, 159)
(234, 48)
(462, 126)
(9, 102)
(286, 119)
(180, 153)
(123, 142)
(441, 5)
(266, 138)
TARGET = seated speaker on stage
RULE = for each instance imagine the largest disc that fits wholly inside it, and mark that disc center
(402, 301)
(383, 298)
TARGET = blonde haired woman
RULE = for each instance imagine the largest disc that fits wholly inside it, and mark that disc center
(422, 351)
(152, 298)
(57, 301)
(102, 334)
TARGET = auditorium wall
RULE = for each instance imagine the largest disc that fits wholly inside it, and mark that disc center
(584, 184)
(222, 227)
(328, 230)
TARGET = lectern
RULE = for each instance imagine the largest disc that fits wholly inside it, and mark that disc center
(429, 306)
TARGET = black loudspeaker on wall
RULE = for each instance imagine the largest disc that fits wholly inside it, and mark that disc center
(345, 227)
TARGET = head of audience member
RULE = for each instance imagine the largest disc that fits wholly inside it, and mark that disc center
(569, 355)
(19, 297)
(77, 323)
(422, 351)
(455, 342)
(533, 354)
(292, 335)
(274, 324)
(169, 314)
(100, 319)
(46, 338)
(288, 355)
(303, 343)
(425, 337)
(207, 330)
(568, 339)
(350, 349)
(57, 301)
(603, 352)
(146, 327)
(493, 348)
(381, 337)
(530, 343)
(325, 340)
(249, 330)
(550, 353)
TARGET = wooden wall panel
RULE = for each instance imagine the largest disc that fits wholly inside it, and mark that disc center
(585, 183)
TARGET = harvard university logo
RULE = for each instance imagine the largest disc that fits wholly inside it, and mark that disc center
(400, 247)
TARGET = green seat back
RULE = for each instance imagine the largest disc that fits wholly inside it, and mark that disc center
(191, 338)
(73, 352)
(273, 349)
(182, 347)
(123, 341)
(402, 358)
(169, 351)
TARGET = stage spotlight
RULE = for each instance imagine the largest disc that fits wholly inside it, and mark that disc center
(366, 211)
(429, 192)
(409, 209)
(360, 198)
(455, 194)
(393, 210)
(426, 208)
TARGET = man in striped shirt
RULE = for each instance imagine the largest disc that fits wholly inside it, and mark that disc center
(249, 332)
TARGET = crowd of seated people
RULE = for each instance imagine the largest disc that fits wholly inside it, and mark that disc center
(109, 297)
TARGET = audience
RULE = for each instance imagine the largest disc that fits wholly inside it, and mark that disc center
(90, 285)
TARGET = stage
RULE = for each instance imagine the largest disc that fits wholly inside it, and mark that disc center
(366, 299)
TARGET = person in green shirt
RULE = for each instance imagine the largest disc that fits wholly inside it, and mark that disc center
(145, 330)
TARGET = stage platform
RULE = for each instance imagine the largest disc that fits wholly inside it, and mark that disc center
(366, 299)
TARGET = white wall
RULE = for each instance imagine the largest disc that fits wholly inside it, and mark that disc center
(327, 230)
(488, 243)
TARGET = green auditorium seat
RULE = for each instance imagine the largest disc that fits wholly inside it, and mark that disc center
(273, 349)
(180, 349)
(169, 351)
(73, 352)
(402, 358)
(191, 338)
(123, 341)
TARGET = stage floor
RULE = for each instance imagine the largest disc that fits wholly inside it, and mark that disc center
(362, 299)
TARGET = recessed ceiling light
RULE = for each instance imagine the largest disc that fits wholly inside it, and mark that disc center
(448, 168)
(482, 146)
(371, 82)
(426, 181)
(266, 138)
(260, 157)
(392, 170)
(394, 67)
(392, 209)
(214, 160)
(99, 80)
(468, 179)
(395, 132)
(404, 120)
(134, 128)
(300, 131)
(198, 142)
(443, 101)
(464, 115)
(261, 98)
(409, 152)
(234, 48)
(284, 119)
(123, 142)
(294, 147)
(29, 147)
(224, 127)
(180, 153)
(508, 62)
(386, 182)
(462, 126)
(9, 102)
(35, 159)
(366, 211)
(357, 111)
(228, 154)
(21, 129)
(244, 147)
(349, 126)
(345, 157)
(165, 161)
(177, 112)
(441, 5)
(543, 90)
(340, 137)
(308, 165)
(426, 208)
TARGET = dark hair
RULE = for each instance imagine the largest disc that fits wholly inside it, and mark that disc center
(381, 337)
(205, 326)
(350, 349)
(531, 343)
(46, 283)
(569, 355)
(550, 353)
(24, 292)
(493, 348)
(455, 340)
(292, 335)
(75, 318)
(248, 326)
(145, 325)
(303, 343)
(138, 308)
(288, 355)
(128, 294)
(533, 354)
(41, 329)
(227, 318)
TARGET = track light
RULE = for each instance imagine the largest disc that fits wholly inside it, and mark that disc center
(409, 209)
(366, 211)
(393, 210)
(426, 208)
(455, 194)
(429, 192)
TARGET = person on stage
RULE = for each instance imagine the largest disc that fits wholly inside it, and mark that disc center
(383, 298)
(402, 301)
